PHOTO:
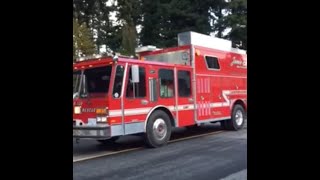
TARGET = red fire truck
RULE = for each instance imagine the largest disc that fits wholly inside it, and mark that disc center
(203, 79)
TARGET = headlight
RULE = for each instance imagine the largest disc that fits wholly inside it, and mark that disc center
(77, 110)
(101, 119)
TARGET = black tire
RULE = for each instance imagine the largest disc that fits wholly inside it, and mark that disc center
(234, 124)
(107, 141)
(161, 135)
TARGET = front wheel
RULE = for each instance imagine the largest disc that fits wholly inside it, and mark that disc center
(158, 130)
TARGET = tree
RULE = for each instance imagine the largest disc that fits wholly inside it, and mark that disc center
(129, 16)
(237, 21)
(129, 43)
(187, 15)
(164, 19)
(217, 16)
(83, 44)
(150, 32)
(160, 20)
(95, 13)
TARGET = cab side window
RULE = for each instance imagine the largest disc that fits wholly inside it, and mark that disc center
(137, 89)
(166, 83)
(184, 84)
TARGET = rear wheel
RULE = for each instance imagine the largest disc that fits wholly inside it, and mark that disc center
(237, 120)
(158, 130)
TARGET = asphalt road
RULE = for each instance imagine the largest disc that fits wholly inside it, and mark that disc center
(221, 155)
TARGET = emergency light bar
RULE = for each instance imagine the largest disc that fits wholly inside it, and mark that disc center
(114, 56)
(89, 57)
(146, 49)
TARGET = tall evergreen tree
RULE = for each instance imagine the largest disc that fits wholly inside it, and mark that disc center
(150, 32)
(96, 14)
(160, 20)
(129, 15)
(83, 44)
(217, 16)
(164, 19)
(237, 21)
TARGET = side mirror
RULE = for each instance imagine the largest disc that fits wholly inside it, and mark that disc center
(135, 73)
(75, 95)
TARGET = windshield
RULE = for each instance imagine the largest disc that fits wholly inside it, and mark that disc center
(94, 82)
(76, 81)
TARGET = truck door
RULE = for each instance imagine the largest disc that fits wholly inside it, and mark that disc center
(185, 102)
(136, 104)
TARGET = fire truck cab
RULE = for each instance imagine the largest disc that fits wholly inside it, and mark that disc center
(201, 80)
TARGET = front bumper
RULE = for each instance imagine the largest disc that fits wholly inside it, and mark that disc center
(92, 132)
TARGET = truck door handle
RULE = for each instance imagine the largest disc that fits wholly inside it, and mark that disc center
(144, 102)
